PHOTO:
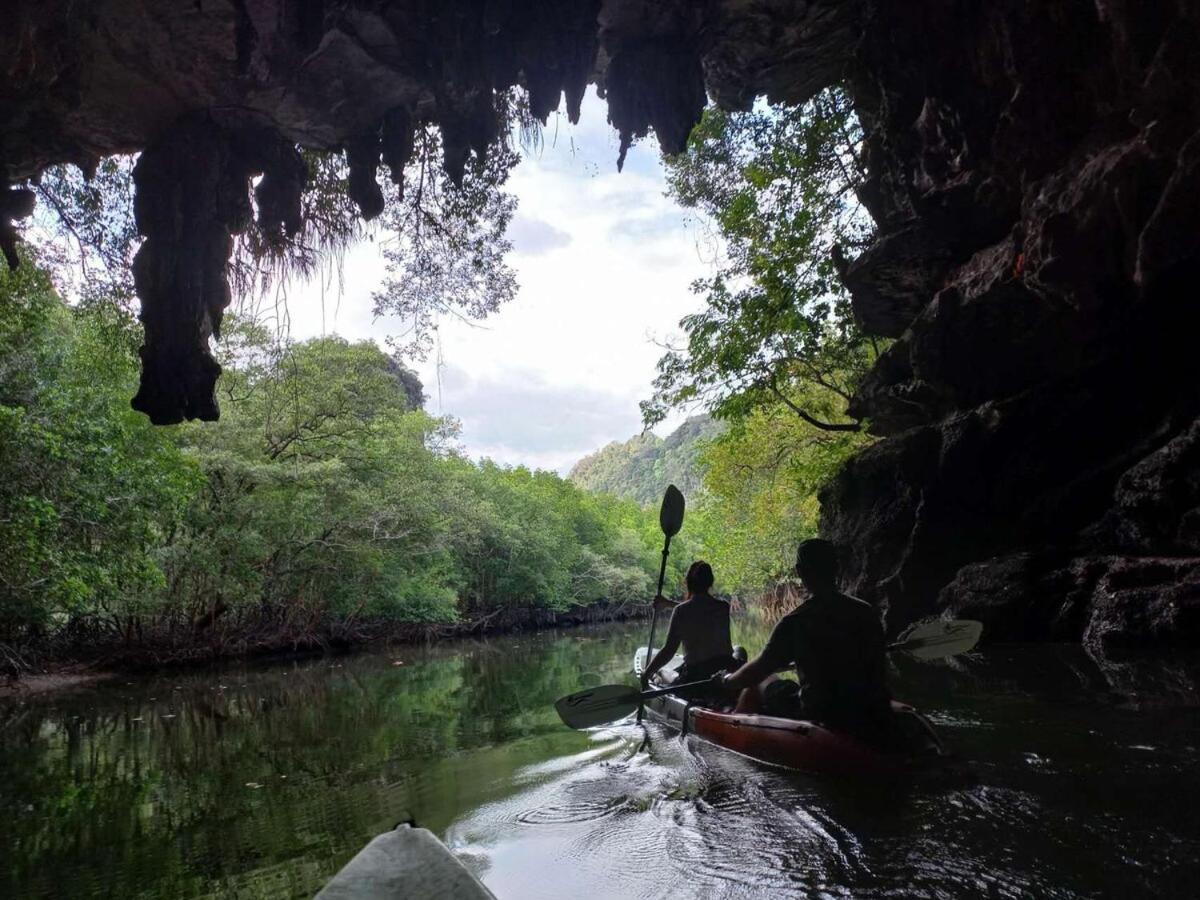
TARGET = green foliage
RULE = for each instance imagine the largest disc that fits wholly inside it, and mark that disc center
(751, 487)
(324, 498)
(774, 354)
(88, 489)
(93, 218)
(777, 185)
(533, 535)
(761, 479)
(330, 497)
(642, 467)
(448, 249)
(313, 504)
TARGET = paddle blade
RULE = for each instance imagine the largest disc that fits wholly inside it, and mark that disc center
(670, 514)
(939, 638)
(598, 705)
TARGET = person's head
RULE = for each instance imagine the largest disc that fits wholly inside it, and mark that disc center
(699, 578)
(817, 565)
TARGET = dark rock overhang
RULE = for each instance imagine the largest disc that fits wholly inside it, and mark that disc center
(215, 92)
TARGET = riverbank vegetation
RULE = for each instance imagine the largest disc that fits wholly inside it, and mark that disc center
(325, 506)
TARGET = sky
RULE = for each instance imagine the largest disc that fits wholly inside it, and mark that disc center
(604, 261)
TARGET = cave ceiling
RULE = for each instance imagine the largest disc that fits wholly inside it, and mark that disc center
(214, 93)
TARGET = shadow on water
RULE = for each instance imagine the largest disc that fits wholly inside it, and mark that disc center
(262, 781)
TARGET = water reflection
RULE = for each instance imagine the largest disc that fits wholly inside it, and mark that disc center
(262, 781)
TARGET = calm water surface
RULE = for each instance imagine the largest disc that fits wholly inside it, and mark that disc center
(263, 781)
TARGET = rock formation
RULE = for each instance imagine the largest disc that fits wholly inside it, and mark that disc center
(1034, 168)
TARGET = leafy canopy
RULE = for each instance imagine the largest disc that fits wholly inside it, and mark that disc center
(777, 185)
(762, 477)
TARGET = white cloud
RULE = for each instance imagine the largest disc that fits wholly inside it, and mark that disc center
(533, 237)
(519, 417)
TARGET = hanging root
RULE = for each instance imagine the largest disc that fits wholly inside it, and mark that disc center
(12, 664)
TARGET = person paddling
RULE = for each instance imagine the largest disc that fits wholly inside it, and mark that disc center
(836, 642)
(701, 624)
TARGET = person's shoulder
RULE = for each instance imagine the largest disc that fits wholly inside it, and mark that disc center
(796, 617)
(807, 608)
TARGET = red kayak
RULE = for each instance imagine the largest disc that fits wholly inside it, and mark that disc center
(798, 744)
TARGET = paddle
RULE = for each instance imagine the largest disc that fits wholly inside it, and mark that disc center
(936, 639)
(608, 702)
(939, 638)
(670, 519)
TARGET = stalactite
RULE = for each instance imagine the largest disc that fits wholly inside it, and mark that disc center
(15, 203)
(362, 155)
(396, 141)
(655, 84)
(279, 192)
(192, 193)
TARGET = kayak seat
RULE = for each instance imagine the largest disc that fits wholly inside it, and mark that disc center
(669, 675)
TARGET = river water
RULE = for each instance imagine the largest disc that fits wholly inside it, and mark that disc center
(261, 781)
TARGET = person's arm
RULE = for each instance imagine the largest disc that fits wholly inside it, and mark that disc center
(773, 658)
(665, 604)
(750, 674)
(666, 654)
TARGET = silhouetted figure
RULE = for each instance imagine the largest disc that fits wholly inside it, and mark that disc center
(836, 642)
(701, 624)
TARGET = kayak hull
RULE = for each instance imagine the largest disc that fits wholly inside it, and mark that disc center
(799, 744)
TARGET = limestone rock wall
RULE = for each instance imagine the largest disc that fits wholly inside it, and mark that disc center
(1035, 169)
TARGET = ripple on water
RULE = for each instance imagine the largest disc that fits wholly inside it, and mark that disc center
(558, 765)
(682, 818)
(946, 720)
(582, 809)
(792, 850)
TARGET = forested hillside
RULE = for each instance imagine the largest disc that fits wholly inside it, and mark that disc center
(640, 468)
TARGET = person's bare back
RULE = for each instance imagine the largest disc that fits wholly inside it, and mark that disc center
(702, 625)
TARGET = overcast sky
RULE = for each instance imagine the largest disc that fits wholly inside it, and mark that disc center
(604, 262)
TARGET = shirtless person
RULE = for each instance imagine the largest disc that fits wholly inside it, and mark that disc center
(701, 624)
(836, 643)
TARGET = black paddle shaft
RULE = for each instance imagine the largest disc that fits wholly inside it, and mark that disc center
(662, 575)
(670, 689)
(670, 519)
